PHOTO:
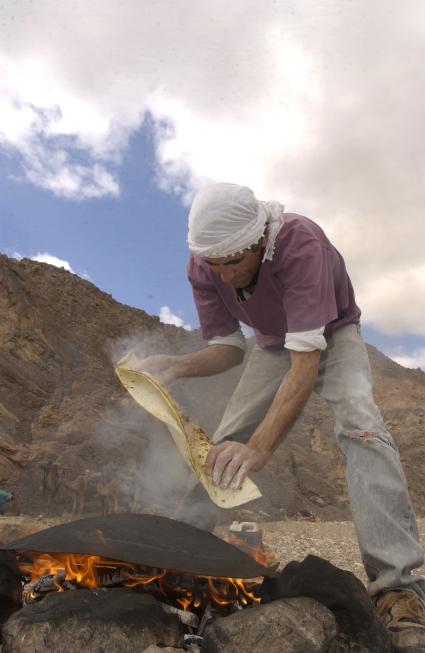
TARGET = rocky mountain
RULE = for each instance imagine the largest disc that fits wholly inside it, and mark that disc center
(61, 403)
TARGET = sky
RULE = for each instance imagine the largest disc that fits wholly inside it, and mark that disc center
(113, 114)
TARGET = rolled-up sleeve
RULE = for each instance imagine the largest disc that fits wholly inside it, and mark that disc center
(214, 317)
(306, 340)
(235, 339)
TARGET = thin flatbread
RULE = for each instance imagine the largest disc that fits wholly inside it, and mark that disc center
(189, 438)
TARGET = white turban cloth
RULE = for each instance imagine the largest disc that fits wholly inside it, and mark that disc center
(226, 219)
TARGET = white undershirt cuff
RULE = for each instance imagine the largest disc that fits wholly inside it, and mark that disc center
(235, 339)
(306, 340)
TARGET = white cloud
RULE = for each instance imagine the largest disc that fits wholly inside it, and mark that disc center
(168, 317)
(414, 359)
(319, 105)
(52, 130)
(393, 300)
(44, 257)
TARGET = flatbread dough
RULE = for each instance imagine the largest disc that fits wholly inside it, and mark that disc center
(189, 438)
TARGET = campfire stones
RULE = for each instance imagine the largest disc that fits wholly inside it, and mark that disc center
(359, 628)
(113, 620)
(166, 540)
(292, 625)
(122, 621)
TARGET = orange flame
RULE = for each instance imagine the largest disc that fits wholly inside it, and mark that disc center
(187, 591)
(256, 551)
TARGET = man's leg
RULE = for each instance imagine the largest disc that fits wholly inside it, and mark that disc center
(382, 513)
(246, 408)
(253, 395)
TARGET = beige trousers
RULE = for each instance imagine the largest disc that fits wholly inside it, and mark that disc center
(381, 508)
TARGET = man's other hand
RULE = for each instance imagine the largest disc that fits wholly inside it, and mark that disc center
(229, 463)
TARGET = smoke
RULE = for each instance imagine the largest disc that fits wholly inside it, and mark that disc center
(167, 340)
(149, 474)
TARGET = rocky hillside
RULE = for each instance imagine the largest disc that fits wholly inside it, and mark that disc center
(60, 402)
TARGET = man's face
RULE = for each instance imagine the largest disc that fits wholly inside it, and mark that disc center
(239, 270)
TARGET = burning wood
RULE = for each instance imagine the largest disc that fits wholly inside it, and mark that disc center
(194, 641)
(46, 573)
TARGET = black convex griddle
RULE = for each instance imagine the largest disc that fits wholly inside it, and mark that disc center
(149, 540)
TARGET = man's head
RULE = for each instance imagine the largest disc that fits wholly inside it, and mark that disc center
(241, 269)
(225, 219)
(233, 231)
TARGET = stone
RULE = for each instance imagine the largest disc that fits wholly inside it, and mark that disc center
(153, 648)
(299, 625)
(359, 628)
(114, 620)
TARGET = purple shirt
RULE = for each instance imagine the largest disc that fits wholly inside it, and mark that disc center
(305, 286)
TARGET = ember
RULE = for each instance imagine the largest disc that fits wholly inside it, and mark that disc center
(46, 573)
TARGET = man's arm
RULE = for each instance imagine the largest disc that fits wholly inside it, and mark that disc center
(229, 462)
(211, 360)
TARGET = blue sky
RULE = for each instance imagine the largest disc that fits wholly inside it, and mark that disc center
(132, 246)
(112, 116)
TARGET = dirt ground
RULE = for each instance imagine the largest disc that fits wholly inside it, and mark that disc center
(286, 540)
(334, 541)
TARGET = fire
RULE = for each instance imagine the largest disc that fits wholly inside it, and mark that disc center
(185, 591)
(248, 537)
(255, 551)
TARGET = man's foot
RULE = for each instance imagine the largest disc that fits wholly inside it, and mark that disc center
(403, 613)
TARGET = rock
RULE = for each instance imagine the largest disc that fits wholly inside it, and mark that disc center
(153, 648)
(115, 620)
(359, 628)
(299, 625)
(310, 607)
(316, 440)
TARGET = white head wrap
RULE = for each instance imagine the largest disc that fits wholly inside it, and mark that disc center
(226, 218)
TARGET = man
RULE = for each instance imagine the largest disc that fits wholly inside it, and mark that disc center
(277, 272)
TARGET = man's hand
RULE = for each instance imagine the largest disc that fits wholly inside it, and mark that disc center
(228, 463)
(213, 359)
(162, 367)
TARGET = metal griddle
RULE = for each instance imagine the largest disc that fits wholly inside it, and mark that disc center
(147, 540)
